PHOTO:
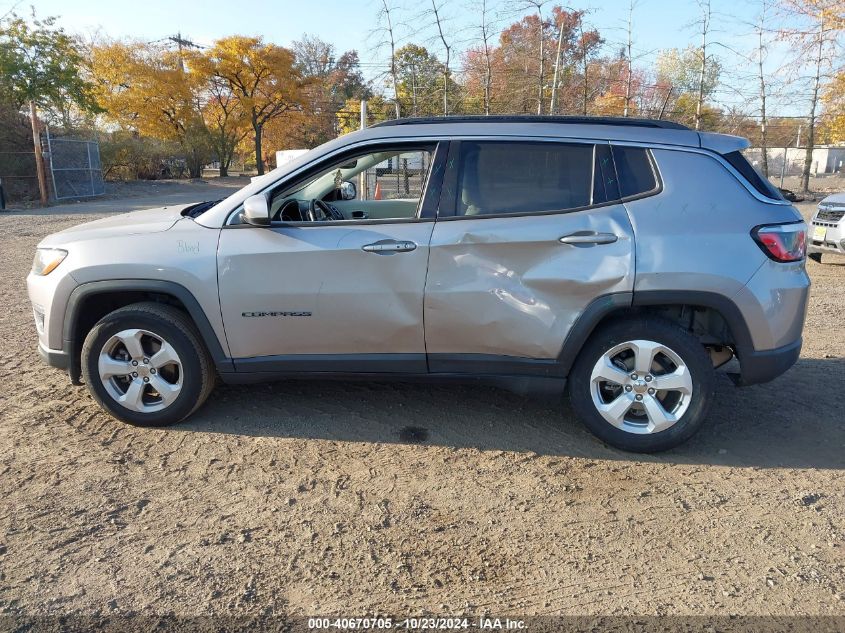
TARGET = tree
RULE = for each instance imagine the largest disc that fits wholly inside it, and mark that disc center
(834, 103)
(144, 87)
(437, 13)
(386, 26)
(761, 31)
(262, 77)
(629, 74)
(566, 23)
(41, 63)
(419, 76)
(588, 43)
(485, 32)
(537, 5)
(812, 31)
(329, 81)
(378, 109)
(225, 118)
(703, 62)
(680, 70)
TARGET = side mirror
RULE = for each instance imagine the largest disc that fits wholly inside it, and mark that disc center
(256, 211)
(348, 190)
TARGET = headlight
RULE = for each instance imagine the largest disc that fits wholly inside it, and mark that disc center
(46, 260)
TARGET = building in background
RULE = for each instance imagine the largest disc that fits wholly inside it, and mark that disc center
(827, 159)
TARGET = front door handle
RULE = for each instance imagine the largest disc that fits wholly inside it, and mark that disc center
(584, 237)
(389, 247)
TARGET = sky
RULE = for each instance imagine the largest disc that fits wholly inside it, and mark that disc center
(350, 24)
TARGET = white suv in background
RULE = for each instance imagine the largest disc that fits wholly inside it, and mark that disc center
(827, 229)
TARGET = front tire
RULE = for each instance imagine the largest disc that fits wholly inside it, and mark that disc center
(642, 384)
(146, 365)
(816, 257)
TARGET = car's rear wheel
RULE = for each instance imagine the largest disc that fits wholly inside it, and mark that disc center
(642, 384)
(816, 257)
(146, 365)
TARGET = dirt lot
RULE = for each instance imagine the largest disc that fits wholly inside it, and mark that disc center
(307, 498)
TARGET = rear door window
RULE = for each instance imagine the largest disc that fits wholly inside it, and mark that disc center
(634, 170)
(497, 178)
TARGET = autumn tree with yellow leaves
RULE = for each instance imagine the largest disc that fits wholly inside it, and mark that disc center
(144, 87)
(262, 78)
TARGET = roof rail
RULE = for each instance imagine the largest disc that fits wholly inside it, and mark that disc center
(571, 120)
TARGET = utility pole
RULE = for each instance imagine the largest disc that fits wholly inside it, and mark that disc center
(39, 157)
(182, 42)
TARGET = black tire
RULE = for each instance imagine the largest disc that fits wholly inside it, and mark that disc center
(174, 326)
(687, 347)
(816, 257)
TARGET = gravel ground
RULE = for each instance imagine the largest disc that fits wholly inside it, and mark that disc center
(353, 498)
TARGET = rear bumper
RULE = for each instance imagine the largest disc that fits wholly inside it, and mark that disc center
(758, 367)
(54, 357)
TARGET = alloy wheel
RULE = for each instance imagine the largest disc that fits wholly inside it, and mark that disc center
(140, 370)
(641, 387)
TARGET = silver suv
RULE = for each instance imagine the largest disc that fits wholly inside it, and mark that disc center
(622, 259)
(827, 228)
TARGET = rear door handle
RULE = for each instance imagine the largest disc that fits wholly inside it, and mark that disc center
(589, 238)
(389, 247)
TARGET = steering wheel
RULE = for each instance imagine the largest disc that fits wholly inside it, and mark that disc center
(327, 211)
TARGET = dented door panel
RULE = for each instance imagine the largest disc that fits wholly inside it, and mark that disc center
(507, 286)
(315, 290)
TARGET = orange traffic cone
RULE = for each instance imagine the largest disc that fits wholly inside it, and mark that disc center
(377, 193)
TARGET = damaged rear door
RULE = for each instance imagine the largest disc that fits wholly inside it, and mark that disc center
(528, 234)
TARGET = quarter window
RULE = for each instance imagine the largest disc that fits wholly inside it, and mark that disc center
(633, 166)
(510, 177)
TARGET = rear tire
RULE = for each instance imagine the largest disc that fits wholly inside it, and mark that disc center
(146, 365)
(615, 384)
(816, 257)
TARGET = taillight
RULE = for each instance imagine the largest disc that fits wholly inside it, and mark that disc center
(782, 242)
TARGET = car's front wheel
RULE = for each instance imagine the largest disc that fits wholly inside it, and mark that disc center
(642, 384)
(146, 365)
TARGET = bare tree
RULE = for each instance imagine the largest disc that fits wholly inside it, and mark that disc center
(486, 31)
(587, 42)
(706, 17)
(537, 5)
(438, 20)
(629, 58)
(761, 56)
(386, 20)
(814, 102)
(556, 76)
(813, 30)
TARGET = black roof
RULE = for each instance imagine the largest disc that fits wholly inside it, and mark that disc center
(572, 120)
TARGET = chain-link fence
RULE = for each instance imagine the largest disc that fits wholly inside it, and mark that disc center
(75, 168)
(18, 179)
(397, 177)
(72, 166)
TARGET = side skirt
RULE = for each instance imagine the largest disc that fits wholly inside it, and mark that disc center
(533, 386)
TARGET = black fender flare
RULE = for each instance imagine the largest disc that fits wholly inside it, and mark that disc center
(84, 291)
(602, 307)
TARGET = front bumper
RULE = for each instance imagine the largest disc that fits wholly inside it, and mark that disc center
(758, 367)
(54, 357)
(826, 237)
